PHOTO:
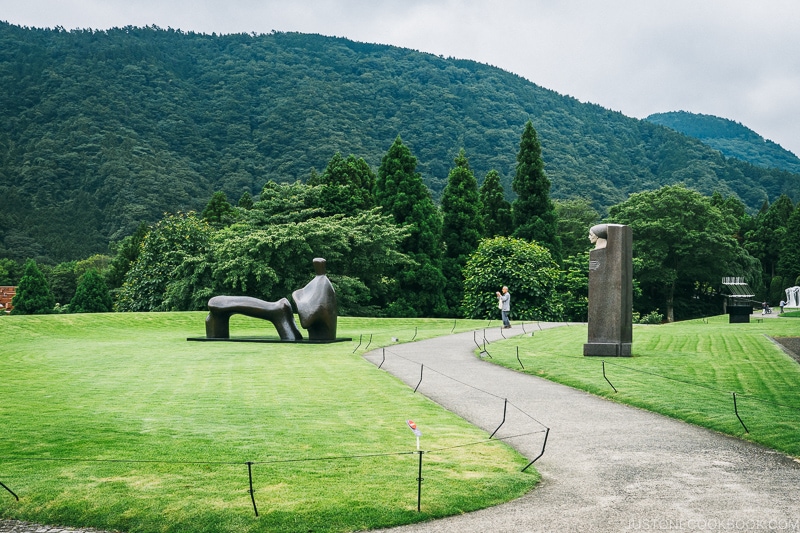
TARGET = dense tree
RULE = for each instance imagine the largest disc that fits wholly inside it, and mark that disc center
(399, 190)
(154, 121)
(789, 262)
(462, 228)
(573, 287)
(526, 268)
(218, 211)
(533, 214)
(271, 262)
(575, 217)
(680, 239)
(496, 210)
(765, 240)
(346, 185)
(92, 295)
(246, 200)
(62, 280)
(125, 254)
(33, 296)
(171, 242)
(10, 272)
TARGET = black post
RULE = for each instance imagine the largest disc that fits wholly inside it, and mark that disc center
(546, 433)
(252, 493)
(454, 326)
(421, 368)
(520, 362)
(505, 408)
(736, 410)
(415, 333)
(604, 375)
(370, 341)
(359, 342)
(384, 358)
(419, 482)
(9, 490)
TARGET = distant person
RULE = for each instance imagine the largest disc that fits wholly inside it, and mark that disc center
(782, 304)
(504, 304)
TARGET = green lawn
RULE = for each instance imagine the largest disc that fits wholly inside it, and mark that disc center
(116, 421)
(687, 370)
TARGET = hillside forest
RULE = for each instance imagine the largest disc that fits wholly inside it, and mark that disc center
(178, 165)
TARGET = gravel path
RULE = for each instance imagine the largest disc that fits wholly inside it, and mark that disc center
(606, 468)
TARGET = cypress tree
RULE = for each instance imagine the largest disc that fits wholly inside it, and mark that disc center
(348, 185)
(789, 262)
(399, 190)
(462, 228)
(219, 211)
(533, 213)
(33, 296)
(496, 210)
(92, 295)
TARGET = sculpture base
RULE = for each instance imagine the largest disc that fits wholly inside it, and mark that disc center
(607, 349)
(268, 340)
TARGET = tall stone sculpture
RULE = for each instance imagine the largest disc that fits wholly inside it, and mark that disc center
(793, 297)
(316, 305)
(610, 291)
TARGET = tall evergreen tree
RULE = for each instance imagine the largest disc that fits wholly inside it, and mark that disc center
(789, 262)
(219, 211)
(92, 295)
(246, 200)
(462, 228)
(533, 213)
(496, 210)
(400, 191)
(766, 240)
(33, 296)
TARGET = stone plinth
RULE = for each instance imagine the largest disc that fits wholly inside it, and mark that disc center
(611, 295)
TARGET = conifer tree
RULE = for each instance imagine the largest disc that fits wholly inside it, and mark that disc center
(789, 262)
(462, 228)
(92, 295)
(246, 201)
(496, 210)
(33, 296)
(219, 211)
(348, 185)
(533, 213)
(399, 190)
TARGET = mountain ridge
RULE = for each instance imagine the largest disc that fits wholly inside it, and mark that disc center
(102, 130)
(730, 137)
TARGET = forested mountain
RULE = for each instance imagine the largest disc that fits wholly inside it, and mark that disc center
(731, 138)
(101, 130)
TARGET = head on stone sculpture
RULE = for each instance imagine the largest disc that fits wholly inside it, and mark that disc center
(598, 235)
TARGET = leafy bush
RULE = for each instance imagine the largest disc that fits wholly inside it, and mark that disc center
(525, 267)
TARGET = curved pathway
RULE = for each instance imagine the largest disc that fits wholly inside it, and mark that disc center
(607, 467)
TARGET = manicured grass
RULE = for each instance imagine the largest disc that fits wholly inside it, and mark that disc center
(687, 370)
(115, 421)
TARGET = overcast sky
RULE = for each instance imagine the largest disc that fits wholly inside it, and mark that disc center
(737, 59)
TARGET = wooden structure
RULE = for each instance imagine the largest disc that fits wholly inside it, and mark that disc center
(6, 295)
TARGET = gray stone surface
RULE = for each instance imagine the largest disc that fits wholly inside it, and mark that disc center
(611, 293)
(607, 467)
